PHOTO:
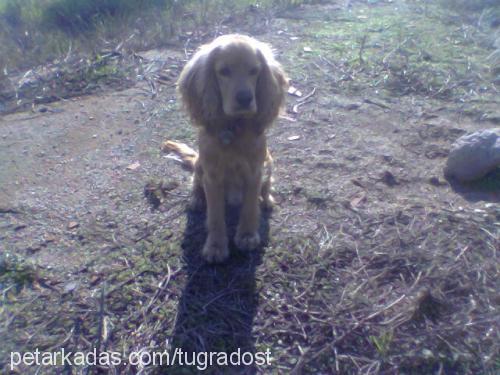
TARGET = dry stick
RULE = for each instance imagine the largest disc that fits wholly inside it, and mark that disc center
(295, 108)
(101, 319)
(309, 288)
(297, 370)
(361, 49)
(381, 105)
(304, 98)
(462, 252)
(161, 287)
(321, 69)
(186, 48)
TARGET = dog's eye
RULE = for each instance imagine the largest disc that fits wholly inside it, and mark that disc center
(225, 71)
(254, 71)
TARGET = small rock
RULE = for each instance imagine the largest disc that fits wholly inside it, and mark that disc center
(347, 103)
(388, 158)
(389, 179)
(49, 238)
(474, 155)
(435, 181)
(33, 248)
(72, 225)
(357, 182)
(19, 227)
(352, 106)
(133, 166)
(70, 287)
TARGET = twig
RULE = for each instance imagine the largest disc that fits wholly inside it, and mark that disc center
(186, 47)
(295, 108)
(101, 319)
(361, 49)
(462, 252)
(381, 105)
(304, 98)
(161, 287)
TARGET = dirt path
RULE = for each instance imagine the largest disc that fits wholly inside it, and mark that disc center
(66, 171)
(72, 170)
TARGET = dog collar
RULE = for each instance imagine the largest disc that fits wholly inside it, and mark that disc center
(226, 136)
(229, 132)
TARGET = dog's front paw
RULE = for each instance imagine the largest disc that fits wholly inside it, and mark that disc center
(247, 241)
(215, 250)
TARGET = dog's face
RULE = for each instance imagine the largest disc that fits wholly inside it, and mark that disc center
(237, 67)
(233, 77)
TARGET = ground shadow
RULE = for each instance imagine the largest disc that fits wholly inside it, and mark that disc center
(486, 189)
(219, 302)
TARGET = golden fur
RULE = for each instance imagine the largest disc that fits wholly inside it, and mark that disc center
(233, 89)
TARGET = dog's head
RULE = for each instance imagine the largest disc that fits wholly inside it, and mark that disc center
(233, 77)
(237, 66)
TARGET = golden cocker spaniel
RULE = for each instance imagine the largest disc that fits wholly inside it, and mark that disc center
(233, 89)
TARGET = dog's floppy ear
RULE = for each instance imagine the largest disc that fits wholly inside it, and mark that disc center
(198, 88)
(271, 89)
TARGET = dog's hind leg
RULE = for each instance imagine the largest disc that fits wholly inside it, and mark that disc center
(198, 200)
(267, 199)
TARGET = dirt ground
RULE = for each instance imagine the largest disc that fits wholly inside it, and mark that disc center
(73, 207)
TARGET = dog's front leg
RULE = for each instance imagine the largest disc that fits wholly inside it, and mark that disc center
(215, 249)
(247, 234)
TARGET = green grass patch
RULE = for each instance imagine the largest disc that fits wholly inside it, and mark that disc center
(15, 273)
(404, 49)
(33, 32)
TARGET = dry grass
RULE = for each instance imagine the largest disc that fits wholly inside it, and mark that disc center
(407, 291)
(411, 291)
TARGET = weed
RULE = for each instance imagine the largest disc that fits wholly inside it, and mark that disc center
(15, 272)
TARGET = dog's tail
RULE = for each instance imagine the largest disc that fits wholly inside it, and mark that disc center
(187, 156)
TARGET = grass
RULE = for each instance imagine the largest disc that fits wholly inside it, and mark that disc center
(399, 49)
(89, 44)
(36, 32)
(15, 273)
(33, 32)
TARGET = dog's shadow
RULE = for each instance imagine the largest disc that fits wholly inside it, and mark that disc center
(219, 302)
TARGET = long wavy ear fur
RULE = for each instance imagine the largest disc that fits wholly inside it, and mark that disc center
(198, 88)
(272, 85)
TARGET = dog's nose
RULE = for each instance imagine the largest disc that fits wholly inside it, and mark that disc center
(244, 98)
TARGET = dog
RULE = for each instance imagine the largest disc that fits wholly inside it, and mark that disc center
(233, 89)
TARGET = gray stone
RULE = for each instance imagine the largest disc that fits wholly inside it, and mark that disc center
(472, 156)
